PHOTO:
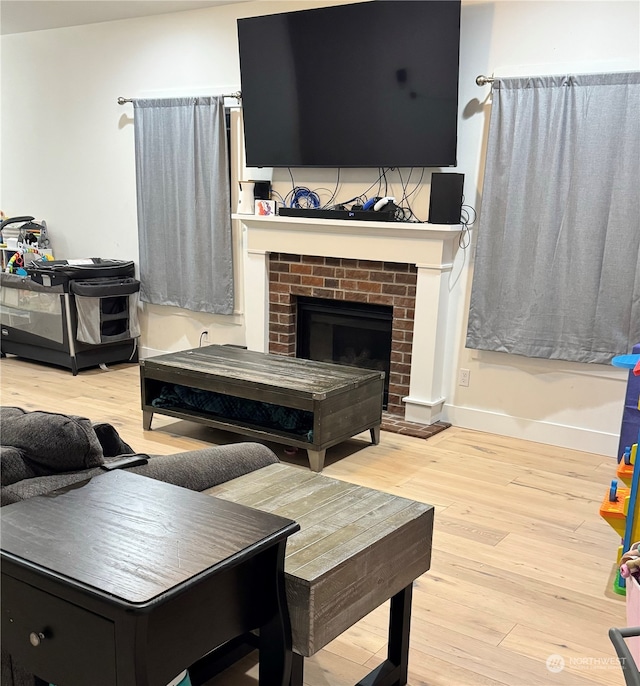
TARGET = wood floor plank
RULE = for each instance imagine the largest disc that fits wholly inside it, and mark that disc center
(540, 605)
(428, 670)
(488, 661)
(579, 660)
(588, 534)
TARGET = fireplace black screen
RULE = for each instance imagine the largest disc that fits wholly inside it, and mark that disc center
(354, 334)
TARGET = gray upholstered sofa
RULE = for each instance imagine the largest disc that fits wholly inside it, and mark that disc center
(43, 451)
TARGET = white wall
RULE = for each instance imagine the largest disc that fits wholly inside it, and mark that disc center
(67, 156)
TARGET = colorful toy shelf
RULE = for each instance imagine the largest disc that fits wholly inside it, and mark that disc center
(620, 507)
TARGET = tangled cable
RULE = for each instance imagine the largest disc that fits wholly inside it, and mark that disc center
(300, 196)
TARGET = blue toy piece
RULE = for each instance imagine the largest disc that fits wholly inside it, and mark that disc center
(613, 491)
(625, 361)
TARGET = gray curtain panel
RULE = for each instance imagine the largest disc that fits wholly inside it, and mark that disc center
(557, 271)
(184, 209)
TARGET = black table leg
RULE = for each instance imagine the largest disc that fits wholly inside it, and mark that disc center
(393, 671)
(297, 670)
(275, 635)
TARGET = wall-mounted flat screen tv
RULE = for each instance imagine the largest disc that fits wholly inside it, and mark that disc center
(371, 84)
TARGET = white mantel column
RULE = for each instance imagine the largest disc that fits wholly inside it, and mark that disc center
(256, 271)
(425, 400)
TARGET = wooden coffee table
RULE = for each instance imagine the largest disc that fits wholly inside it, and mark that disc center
(356, 548)
(339, 401)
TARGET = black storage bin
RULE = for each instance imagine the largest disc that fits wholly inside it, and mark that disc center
(107, 309)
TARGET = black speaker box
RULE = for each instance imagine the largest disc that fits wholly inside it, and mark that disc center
(445, 204)
(262, 190)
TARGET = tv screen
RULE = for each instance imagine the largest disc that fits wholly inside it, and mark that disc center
(371, 84)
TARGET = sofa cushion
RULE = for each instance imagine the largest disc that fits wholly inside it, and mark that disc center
(41, 485)
(14, 468)
(50, 442)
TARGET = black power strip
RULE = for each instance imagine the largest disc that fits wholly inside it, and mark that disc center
(360, 215)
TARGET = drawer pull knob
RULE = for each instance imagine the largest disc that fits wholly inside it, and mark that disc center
(36, 638)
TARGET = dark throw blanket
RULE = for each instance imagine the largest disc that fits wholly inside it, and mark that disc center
(266, 415)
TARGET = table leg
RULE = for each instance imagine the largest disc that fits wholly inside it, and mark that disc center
(316, 459)
(375, 434)
(147, 416)
(399, 627)
(297, 670)
(394, 670)
(275, 635)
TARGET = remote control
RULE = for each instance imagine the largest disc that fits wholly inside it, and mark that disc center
(130, 461)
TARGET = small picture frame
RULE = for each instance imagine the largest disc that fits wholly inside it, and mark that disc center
(265, 208)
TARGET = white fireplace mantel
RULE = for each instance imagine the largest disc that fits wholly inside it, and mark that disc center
(431, 247)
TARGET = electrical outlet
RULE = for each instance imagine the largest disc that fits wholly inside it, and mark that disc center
(463, 377)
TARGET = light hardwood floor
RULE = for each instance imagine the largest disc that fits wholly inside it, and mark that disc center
(522, 563)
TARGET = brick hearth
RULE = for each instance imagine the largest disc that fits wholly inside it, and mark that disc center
(361, 281)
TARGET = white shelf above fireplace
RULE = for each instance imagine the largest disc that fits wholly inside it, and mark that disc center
(365, 240)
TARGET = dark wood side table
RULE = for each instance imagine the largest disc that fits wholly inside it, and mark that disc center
(123, 580)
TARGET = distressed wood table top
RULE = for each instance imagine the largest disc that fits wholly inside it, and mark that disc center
(357, 547)
(263, 370)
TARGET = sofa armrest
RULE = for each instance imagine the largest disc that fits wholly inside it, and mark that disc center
(196, 470)
(201, 469)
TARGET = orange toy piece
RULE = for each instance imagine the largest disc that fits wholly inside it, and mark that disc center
(625, 473)
(614, 513)
(625, 467)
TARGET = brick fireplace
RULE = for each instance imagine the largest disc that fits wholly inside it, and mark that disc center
(335, 278)
(401, 264)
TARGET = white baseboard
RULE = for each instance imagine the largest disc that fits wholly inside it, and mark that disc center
(574, 437)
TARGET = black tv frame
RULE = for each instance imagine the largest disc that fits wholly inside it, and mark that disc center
(371, 84)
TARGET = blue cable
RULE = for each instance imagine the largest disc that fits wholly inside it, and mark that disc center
(304, 198)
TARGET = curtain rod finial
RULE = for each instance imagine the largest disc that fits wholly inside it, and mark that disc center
(483, 80)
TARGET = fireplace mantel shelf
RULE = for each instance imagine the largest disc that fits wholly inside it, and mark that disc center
(413, 243)
(444, 231)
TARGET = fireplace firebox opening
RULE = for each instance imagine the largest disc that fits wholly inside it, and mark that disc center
(350, 333)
